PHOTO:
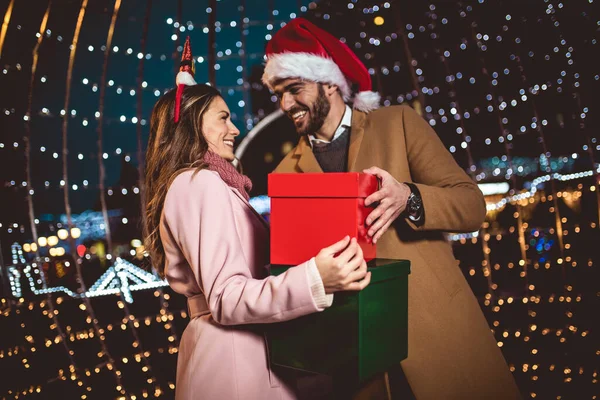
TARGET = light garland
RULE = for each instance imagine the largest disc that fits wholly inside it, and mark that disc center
(116, 280)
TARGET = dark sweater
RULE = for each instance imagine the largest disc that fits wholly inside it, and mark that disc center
(333, 156)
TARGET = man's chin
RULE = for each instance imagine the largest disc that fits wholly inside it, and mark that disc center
(301, 129)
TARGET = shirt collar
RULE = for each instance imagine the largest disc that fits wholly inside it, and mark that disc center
(344, 124)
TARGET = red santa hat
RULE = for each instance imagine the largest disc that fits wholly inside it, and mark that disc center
(185, 76)
(302, 50)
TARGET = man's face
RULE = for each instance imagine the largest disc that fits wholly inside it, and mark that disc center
(304, 102)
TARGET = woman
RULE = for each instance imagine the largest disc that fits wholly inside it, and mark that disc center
(204, 236)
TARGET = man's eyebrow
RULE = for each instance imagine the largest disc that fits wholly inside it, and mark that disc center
(288, 87)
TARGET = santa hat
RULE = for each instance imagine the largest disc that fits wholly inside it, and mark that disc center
(302, 50)
(185, 76)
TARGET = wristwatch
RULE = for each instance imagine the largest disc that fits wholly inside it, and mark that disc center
(414, 205)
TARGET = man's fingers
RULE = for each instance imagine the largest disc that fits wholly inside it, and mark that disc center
(375, 197)
(375, 214)
(378, 172)
(381, 231)
(384, 219)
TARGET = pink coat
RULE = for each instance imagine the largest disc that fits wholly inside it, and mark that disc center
(216, 245)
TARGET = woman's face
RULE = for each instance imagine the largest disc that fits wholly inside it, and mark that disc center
(218, 129)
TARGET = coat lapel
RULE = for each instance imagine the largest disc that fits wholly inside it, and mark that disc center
(307, 161)
(356, 135)
(306, 158)
(256, 214)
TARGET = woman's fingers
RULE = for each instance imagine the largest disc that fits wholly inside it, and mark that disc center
(357, 273)
(348, 254)
(360, 285)
(337, 247)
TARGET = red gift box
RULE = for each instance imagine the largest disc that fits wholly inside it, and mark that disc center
(313, 211)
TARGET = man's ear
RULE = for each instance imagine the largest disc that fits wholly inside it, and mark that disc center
(330, 89)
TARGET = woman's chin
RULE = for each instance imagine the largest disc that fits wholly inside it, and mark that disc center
(229, 156)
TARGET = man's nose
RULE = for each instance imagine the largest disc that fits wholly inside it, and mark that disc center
(287, 102)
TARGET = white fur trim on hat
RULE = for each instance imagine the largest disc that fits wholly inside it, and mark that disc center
(185, 78)
(306, 66)
(366, 101)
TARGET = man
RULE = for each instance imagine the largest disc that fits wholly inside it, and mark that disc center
(451, 352)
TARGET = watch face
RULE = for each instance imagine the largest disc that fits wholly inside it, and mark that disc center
(414, 203)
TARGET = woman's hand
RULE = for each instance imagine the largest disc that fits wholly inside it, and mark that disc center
(347, 271)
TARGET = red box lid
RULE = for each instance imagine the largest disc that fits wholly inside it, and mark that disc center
(331, 184)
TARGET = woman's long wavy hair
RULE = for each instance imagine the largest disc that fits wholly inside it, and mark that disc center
(172, 148)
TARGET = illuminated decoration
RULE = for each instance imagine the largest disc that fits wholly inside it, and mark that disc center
(458, 237)
(14, 276)
(31, 273)
(499, 166)
(75, 233)
(121, 278)
(118, 277)
(52, 241)
(42, 241)
(262, 204)
(90, 224)
(534, 187)
(63, 234)
(17, 254)
(494, 188)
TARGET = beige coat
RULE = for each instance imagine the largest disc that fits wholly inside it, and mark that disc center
(452, 353)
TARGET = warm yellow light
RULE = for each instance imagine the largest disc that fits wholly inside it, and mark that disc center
(135, 243)
(42, 241)
(60, 251)
(52, 241)
(52, 252)
(34, 246)
(379, 20)
(75, 232)
(27, 247)
(63, 234)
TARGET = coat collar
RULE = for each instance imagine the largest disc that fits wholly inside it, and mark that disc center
(307, 161)
(243, 199)
(356, 136)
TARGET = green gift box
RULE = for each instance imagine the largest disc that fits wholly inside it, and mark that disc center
(362, 333)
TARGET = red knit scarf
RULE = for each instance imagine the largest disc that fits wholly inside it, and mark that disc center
(228, 173)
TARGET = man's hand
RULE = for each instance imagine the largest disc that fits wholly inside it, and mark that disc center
(392, 198)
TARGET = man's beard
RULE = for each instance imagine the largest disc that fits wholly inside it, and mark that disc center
(317, 113)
